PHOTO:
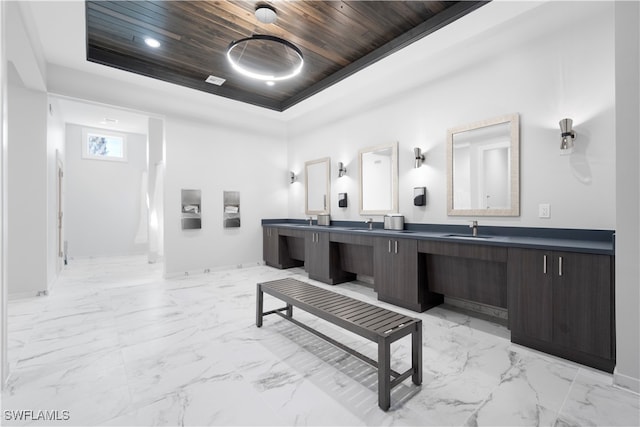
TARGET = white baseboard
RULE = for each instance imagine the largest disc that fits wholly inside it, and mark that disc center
(22, 295)
(626, 382)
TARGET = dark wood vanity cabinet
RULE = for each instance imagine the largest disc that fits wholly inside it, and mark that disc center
(558, 302)
(316, 255)
(322, 259)
(397, 273)
(270, 246)
(275, 249)
(562, 303)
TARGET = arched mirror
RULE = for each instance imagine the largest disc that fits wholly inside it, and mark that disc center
(317, 185)
(483, 168)
(379, 179)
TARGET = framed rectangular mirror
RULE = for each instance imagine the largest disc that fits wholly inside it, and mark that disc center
(379, 179)
(317, 186)
(483, 168)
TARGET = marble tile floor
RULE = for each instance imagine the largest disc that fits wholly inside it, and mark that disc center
(116, 344)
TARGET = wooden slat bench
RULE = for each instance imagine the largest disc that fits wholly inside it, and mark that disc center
(369, 321)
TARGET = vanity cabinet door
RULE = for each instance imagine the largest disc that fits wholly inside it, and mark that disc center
(583, 302)
(317, 255)
(270, 246)
(562, 303)
(395, 271)
(530, 293)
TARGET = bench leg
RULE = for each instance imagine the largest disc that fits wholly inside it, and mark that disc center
(416, 354)
(289, 310)
(384, 374)
(259, 304)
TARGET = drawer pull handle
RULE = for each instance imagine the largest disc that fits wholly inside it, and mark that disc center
(544, 264)
(560, 266)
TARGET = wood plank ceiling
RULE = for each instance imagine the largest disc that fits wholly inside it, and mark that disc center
(337, 38)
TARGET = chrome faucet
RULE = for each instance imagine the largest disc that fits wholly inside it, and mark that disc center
(310, 220)
(474, 228)
(370, 222)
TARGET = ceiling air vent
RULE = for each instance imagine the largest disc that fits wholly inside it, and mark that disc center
(215, 80)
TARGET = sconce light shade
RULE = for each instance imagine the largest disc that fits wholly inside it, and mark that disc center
(342, 170)
(567, 136)
(419, 157)
(292, 177)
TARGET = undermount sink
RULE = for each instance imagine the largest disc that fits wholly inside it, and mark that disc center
(466, 236)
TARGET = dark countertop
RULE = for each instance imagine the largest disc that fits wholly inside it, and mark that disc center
(571, 240)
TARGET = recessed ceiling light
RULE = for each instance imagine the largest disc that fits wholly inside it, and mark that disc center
(270, 83)
(152, 42)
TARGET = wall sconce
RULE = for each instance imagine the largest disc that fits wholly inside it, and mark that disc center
(419, 157)
(292, 177)
(342, 170)
(568, 135)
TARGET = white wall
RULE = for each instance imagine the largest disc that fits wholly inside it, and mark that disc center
(155, 166)
(215, 158)
(27, 196)
(103, 199)
(627, 373)
(538, 65)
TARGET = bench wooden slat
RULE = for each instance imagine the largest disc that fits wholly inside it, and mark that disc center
(361, 311)
(373, 315)
(385, 318)
(388, 324)
(391, 326)
(321, 300)
(350, 310)
(338, 306)
(325, 300)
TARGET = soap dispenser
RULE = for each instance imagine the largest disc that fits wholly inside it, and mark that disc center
(420, 196)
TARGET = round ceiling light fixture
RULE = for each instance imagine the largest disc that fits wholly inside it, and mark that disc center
(151, 42)
(264, 57)
(266, 14)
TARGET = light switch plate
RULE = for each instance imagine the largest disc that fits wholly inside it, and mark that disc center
(544, 210)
